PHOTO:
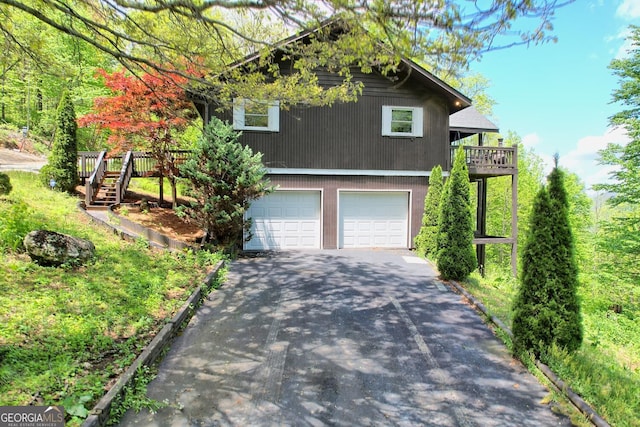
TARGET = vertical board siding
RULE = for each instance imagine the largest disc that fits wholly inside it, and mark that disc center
(348, 135)
(331, 184)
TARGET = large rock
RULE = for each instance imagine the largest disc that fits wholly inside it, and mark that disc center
(54, 249)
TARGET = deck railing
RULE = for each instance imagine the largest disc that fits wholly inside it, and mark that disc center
(125, 176)
(95, 179)
(144, 163)
(87, 163)
(480, 158)
(88, 160)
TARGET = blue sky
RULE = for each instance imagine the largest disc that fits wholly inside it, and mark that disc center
(556, 96)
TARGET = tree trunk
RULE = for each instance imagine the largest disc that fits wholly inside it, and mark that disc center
(161, 185)
(174, 192)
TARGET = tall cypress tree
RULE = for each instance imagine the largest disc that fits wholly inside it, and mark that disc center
(426, 241)
(63, 160)
(456, 257)
(546, 309)
(568, 333)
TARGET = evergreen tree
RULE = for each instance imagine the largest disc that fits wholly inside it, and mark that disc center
(568, 332)
(426, 241)
(225, 177)
(546, 309)
(456, 256)
(63, 160)
(620, 236)
(532, 324)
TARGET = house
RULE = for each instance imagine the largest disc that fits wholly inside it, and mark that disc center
(355, 175)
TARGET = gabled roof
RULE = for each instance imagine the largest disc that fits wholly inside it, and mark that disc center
(456, 99)
(469, 122)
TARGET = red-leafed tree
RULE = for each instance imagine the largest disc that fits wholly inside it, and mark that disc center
(144, 113)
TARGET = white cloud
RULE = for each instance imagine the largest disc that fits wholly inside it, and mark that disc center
(531, 140)
(583, 159)
(628, 9)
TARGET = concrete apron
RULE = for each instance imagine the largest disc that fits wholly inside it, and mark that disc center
(341, 338)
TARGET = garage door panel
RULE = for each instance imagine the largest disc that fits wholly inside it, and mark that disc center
(285, 220)
(374, 219)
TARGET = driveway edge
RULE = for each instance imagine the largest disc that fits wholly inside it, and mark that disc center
(560, 385)
(100, 413)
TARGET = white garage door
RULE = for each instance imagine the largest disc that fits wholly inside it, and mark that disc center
(285, 220)
(374, 219)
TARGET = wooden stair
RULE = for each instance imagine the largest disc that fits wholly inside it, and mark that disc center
(106, 194)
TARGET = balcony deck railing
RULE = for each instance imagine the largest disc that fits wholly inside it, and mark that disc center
(483, 160)
(144, 164)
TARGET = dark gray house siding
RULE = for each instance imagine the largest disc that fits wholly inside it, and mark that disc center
(348, 135)
(342, 148)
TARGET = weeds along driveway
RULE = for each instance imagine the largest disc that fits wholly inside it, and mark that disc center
(357, 338)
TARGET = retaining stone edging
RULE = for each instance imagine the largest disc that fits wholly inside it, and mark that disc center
(100, 413)
(151, 235)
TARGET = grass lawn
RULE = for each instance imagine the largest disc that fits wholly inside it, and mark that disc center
(605, 371)
(66, 333)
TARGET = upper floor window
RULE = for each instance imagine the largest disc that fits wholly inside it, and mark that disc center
(250, 114)
(402, 121)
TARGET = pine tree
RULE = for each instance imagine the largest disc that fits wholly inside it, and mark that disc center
(63, 160)
(225, 177)
(546, 309)
(456, 256)
(426, 241)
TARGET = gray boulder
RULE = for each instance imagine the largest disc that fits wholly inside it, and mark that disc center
(54, 249)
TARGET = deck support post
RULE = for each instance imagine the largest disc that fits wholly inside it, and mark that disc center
(481, 222)
(514, 218)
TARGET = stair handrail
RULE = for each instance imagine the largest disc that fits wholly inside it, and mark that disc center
(125, 176)
(96, 177)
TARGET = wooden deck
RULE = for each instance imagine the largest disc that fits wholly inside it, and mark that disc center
(106, 177)
(489, 162)
(144, 165)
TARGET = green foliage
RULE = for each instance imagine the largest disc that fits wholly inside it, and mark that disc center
(456, 256)
(67, 333)
(17, 219)
(63, 161)
(618, 244)
(499, 207)
(547, 310)
(135, 397)
(564, 288)
(225, 177)
(605, 371)
(446, 34)
(5, 184)
(426, 241)
(619, 235)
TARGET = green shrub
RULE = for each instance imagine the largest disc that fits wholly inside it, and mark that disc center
(456, 257)
(63, 161)
(5, 184)
(17, 219)
(546, 309)
(225, 177)
(426, 242)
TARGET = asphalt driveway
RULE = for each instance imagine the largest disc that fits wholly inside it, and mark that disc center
(347, 338)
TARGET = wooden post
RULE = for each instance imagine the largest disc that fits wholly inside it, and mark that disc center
(481, 219)
(514, 216)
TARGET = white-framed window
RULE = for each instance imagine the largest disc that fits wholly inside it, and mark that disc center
(250, 114)
(402, 121)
